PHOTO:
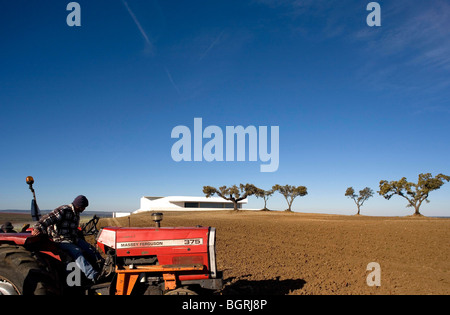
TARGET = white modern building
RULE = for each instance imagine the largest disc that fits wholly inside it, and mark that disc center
(186, 203)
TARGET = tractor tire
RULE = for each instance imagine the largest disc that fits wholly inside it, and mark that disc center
(22, 274)
(181, 291)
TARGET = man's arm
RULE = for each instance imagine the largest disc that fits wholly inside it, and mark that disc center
(52, 218)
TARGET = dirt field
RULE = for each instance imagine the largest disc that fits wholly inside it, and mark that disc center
(278, 253)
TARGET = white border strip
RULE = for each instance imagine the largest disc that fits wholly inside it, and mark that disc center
(212, 252)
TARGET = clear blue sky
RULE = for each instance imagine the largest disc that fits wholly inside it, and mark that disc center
(90, 110)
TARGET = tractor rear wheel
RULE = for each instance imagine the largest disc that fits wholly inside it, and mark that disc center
(22, 274)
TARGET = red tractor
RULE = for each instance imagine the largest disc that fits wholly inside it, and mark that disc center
(136, 261)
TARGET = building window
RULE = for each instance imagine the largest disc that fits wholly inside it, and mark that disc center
(231, 206)
(211, 205)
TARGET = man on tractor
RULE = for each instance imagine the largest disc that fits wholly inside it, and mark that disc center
(62, 226)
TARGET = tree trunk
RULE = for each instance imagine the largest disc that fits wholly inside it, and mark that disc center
(235, 203)
(358, 209)
(417, 210)
(289, 205)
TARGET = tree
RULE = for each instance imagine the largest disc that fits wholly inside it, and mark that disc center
(290, 193)
(364, 194)
(414, 193)
(265, 194)
(233, 193)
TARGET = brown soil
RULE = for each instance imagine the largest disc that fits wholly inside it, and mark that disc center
(293, 253)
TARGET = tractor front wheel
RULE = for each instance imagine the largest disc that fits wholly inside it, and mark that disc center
(181, 291)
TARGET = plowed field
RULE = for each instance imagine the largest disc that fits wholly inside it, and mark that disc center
(280, 253)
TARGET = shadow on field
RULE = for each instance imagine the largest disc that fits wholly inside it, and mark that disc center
(261, 287)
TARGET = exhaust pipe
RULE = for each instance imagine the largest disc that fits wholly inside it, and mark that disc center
(157, 218)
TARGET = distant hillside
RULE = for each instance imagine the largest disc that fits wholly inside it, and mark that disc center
(101, 214)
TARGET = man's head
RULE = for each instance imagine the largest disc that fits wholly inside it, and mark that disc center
(7, 227)
(80, 203)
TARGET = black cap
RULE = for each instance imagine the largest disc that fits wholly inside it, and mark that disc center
(80, 202)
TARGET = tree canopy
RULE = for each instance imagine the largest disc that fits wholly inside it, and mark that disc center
(359, 200)
(265, 194)
(290, 193)
(415, 193)
(233, 193)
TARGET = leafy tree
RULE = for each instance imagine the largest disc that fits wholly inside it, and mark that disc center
(265, 194)
(414, 193)
(290, 193)
(364, 194)
(233, 193)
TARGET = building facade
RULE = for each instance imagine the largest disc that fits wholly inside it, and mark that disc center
(186, 203)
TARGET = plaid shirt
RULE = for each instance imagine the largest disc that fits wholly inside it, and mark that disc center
(61, 224)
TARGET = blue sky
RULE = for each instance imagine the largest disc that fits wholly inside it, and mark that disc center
(90, 110)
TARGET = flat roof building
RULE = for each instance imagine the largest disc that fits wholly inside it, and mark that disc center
(186, 203)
